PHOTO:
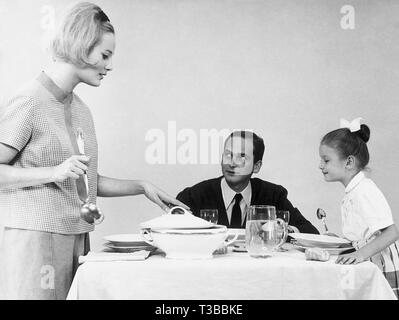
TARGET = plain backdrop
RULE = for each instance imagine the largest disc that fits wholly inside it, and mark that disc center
(285, 69)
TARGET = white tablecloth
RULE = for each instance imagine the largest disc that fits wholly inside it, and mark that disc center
(233, 276)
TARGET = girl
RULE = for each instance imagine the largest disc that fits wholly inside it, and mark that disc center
(41, 169)
(366, 216)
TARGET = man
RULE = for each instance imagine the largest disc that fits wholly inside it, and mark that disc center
(235, 191)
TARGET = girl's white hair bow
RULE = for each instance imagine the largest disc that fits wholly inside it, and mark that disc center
(352, 126)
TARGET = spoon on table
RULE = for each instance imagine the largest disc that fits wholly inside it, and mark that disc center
(89, 211)
(321, 214)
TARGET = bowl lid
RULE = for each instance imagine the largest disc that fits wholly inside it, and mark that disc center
(177, 218)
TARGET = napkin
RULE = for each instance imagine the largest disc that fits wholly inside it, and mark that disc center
(114, 256)
(317, 254)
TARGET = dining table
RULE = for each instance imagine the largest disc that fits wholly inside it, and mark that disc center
(233, 275)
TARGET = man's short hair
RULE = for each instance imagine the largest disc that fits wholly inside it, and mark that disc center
(258, 144)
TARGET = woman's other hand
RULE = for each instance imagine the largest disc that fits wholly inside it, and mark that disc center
(73, 167)
(161, 198)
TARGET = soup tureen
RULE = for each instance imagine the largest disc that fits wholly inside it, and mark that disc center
(181, 235)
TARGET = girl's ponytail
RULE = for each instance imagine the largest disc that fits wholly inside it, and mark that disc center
(364, 133)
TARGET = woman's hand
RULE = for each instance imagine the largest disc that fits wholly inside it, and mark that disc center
(350, 258)
(72, 167)
(160, 197)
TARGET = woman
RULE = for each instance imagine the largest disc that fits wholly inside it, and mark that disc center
(41, 169)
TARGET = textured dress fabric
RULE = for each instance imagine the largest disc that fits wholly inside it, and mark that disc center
(365, 211)
(36, 265)
(44, 234)
(34, 123)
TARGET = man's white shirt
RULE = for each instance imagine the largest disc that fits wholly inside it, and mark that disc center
(228, 198)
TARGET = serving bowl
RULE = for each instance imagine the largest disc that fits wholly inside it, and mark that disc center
(191, 239)
(188, 243)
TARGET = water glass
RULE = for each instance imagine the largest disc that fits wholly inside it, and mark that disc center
(262, 231)
(283, 234)
(210, 215)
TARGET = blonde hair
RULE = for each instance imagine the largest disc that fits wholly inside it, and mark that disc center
(81, 28)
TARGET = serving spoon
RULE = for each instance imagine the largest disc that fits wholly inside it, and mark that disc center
(89, 211)
(321, 214)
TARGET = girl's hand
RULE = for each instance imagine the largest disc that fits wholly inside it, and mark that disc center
(160, 197)
(292, 229)
(72, 167)
(350, 258)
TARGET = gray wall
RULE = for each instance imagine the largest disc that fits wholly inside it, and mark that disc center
(286, 69)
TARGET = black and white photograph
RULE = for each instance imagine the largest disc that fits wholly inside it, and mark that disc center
(207, 152)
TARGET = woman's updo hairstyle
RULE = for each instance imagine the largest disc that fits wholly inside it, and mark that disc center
(80, 30)
(349, 143)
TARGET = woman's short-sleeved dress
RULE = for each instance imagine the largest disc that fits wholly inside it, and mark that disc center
(41, 122)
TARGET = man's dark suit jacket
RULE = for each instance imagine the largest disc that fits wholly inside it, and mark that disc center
(208, 195)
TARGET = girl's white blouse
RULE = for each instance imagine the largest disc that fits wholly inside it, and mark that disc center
(364, 209)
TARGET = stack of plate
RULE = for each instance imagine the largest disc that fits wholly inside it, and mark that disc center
(240, 232)
(127, 243)
(334, 245)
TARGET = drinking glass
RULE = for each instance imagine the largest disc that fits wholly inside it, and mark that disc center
(285, 216)
(261, 231)
(210, 215)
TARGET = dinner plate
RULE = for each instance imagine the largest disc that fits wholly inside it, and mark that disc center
(239, 246)
(333, 251)
(116, 248)
(212, 230)
(318, 240)
(126, 240)
(240, 232)
(112, 245)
